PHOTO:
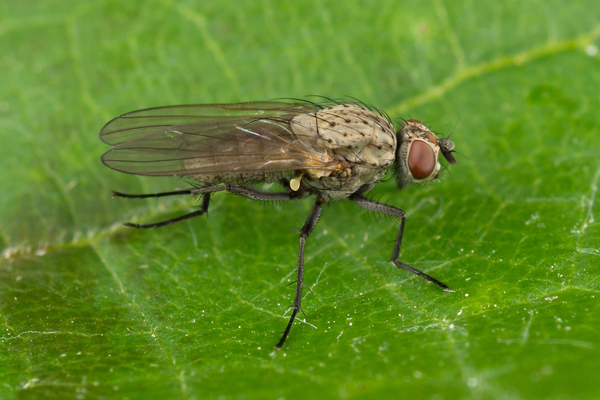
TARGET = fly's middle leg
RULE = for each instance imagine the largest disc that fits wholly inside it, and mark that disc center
(252, 194)
(374, 206)
(309, 225)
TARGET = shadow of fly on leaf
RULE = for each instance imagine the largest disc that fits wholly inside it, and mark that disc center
(334, 150)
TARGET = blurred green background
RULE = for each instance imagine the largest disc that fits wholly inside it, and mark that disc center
(90, 309)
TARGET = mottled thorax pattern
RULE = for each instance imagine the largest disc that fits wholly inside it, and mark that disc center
(363, 140)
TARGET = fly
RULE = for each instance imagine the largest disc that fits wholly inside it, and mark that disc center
(332, 151)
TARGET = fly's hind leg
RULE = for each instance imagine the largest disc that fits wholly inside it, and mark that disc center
(249, 193)
(374, 206)
(145, 196)
(203, 207)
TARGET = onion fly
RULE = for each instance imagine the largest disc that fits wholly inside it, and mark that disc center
(333, 151)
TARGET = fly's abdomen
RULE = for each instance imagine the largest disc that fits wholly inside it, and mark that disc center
(242, 178)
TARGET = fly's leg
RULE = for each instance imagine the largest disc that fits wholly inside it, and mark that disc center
(145, 196)
(374, 206)
(243, 191)
(252, 194)
(203, 209)
(308, 227)
(248, 192)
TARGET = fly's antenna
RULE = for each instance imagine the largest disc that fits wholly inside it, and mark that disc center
(455, 125)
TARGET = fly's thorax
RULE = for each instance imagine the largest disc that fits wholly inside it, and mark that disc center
(348, 132)
(340, 186)
(418, 151)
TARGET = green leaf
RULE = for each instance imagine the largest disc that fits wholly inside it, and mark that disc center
(91, 309)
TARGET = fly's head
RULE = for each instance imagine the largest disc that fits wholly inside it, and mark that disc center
(417, 153)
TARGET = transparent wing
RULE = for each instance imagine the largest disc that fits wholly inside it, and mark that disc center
(210, 139)
(136, 124)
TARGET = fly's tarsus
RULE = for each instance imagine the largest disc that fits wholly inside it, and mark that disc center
(288, 328)
(423, 275)
(167, 222)
(145, 196)
(203, 209)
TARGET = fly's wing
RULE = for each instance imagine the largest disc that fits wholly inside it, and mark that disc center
(210, 139)
(136, 124)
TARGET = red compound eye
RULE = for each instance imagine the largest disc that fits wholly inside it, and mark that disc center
(421, 160)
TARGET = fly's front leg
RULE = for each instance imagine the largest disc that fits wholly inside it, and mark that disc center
(308, 227)
(374, 206)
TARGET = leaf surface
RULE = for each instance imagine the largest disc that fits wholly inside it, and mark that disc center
(91, 309)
